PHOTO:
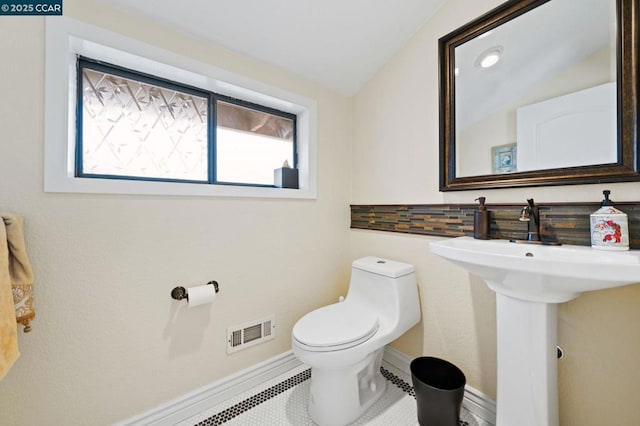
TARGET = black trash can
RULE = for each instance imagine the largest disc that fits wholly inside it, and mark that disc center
(439, 387)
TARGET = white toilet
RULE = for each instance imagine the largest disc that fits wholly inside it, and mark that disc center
(343, 343)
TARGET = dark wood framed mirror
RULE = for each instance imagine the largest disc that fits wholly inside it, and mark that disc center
(559, 107)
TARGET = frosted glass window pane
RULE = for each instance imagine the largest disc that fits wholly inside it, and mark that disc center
(250, 144)
(131, 128)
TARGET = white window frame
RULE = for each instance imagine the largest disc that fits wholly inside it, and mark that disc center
(67, 38)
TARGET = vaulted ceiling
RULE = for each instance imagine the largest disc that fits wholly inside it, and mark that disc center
(339, 44)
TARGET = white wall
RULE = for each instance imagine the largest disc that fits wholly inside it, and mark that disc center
(108, 341)
(395, 160)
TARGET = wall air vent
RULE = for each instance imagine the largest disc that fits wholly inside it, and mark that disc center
(250, 334)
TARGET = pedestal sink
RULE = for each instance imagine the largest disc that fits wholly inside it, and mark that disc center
(529, 281)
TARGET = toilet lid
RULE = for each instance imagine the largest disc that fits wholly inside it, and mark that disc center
(334, 327)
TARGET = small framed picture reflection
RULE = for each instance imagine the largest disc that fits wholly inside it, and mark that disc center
(504, 158)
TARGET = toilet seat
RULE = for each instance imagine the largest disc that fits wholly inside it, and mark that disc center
(335, 327)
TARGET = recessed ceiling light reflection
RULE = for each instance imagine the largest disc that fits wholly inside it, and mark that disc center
(489, 57)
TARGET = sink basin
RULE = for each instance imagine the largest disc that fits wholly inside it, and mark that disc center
(529, 281)
(549, 274)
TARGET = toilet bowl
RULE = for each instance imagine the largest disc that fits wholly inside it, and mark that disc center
(343, 343)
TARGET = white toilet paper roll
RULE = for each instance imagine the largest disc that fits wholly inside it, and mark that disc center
(201, 295)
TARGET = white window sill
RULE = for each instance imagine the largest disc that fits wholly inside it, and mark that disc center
(117, 186)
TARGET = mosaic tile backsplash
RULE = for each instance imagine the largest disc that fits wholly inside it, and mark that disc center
(564, 222)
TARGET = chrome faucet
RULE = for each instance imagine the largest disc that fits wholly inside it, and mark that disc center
(531, 215)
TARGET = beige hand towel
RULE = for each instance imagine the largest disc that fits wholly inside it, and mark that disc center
(8, 326)
(16, 288)
(19, 270)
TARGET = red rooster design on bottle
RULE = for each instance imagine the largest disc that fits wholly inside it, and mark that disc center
(615, 236)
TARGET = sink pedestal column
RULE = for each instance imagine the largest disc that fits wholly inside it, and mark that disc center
(527, 362)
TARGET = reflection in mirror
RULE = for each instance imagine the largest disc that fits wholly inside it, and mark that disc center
(540, 92)
(559, 106)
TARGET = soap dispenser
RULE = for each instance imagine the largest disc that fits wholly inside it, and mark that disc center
(481, 221)
(609, 227)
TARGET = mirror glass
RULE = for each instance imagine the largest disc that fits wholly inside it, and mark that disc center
(550, 99)
(540, 92)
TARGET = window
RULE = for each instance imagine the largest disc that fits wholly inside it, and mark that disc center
(139, 127)
(241, 114)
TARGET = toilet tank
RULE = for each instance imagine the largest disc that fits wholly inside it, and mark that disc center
(387, 286)
(384, 267)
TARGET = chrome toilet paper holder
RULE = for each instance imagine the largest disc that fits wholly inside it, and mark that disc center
(179, 293)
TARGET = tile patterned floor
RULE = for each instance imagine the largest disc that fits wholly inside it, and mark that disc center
(282, 401)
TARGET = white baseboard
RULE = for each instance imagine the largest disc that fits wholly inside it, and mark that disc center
(474, 401)
(213, 394)
(202, 399)
(398, 359)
